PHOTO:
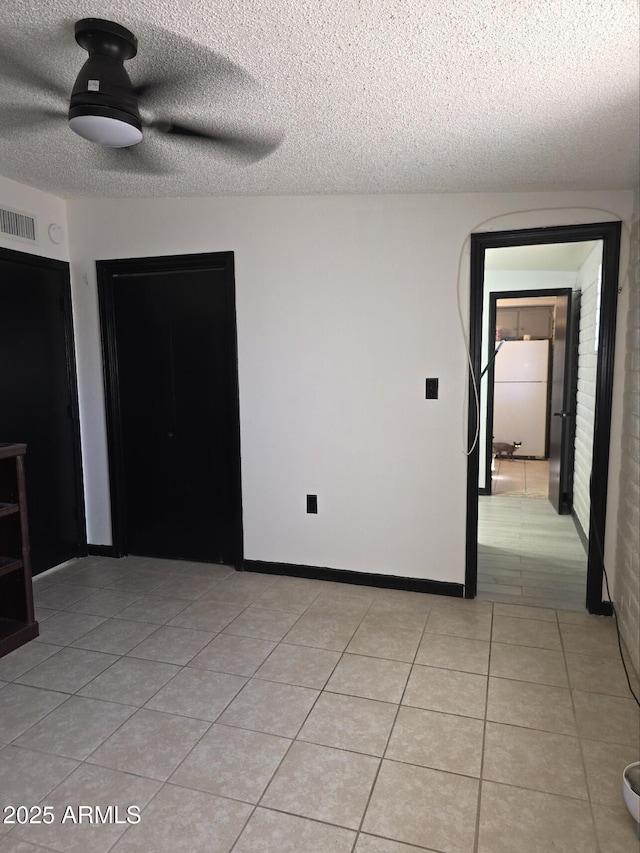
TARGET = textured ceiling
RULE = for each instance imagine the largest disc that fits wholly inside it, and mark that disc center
(369, 96)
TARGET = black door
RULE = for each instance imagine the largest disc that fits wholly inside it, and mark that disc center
(38, 401)
(173, 406)
(562, 410)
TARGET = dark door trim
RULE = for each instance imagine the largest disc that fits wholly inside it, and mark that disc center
(609, 233)
(106, 270)
(62, 268)
(493, 299)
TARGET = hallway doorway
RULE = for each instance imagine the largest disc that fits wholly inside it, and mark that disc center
(518, 544)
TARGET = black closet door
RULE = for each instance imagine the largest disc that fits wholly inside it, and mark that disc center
(174, 334)
(38, 401)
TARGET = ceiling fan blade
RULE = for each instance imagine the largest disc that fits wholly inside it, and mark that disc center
(136, 160)
(14, 69)
(248, 146)
(155, 86)
(180, 129)
(172, 66)
(17, 117)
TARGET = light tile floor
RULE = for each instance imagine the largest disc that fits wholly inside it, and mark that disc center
(520, 477)
(527, 553)
(264, 714)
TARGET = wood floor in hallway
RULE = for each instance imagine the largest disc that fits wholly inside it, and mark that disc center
(527, 553)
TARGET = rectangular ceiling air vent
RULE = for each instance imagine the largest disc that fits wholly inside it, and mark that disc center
(15, 223)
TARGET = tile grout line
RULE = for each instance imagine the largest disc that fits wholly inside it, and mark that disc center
(395, 718)
(580, 745)
(484, 740)
(205, 732)
(294, 739)
(137, 708)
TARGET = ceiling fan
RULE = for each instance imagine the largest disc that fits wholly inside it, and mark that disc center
(105, 105)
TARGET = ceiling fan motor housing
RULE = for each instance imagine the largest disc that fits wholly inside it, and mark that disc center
(104, 107)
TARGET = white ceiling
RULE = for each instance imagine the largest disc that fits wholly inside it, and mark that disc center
(371, 96)
(557, 257)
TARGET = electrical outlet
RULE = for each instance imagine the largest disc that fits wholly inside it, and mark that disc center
(312, 504)
(431, 389)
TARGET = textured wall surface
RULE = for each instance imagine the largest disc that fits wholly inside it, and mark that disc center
(626, 593)
(587, 282)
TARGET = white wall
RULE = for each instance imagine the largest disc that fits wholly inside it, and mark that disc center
(46, 209)
(587, 282)
(345, 305)
(497, 281)
(622, 546)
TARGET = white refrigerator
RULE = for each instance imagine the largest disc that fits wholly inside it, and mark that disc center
(521, 373)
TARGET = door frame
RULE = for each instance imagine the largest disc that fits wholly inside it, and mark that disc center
(493, 299)
(106, 270)
(62, 268)
(609, 233)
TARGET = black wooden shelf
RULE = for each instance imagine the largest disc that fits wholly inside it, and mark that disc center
(9, 564)
(10, 626)
(8, 509)
(17, 621)
(14, 633)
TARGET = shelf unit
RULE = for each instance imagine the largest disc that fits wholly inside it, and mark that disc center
(17, 621)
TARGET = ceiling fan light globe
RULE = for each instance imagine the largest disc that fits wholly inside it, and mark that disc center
(111, 131)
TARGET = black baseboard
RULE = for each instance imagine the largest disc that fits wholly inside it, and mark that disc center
(605, 608)
(101, 551)
(523, 456)
(456, 590)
